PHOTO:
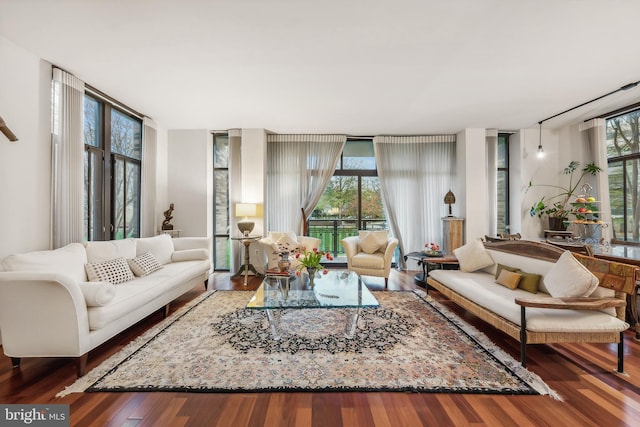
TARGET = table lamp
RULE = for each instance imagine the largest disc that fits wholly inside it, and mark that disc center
(449, 199)
(246, 210)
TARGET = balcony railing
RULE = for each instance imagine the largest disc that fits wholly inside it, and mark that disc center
(331, 231)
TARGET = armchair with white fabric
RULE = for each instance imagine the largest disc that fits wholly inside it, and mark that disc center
(277, 242)
(370, 253)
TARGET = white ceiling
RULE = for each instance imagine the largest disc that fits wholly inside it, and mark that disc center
(361, 67)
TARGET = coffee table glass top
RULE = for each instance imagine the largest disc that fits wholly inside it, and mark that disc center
(336, 289)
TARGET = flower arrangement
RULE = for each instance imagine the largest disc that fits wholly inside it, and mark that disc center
(431, 248)
(311, 259)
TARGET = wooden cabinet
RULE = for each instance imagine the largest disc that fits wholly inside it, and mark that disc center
(452, 233)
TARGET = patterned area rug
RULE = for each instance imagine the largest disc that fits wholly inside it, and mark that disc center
(409, 343)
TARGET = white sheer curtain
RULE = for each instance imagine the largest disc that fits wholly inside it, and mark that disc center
(415, 174)
(148, 218)
(299, 168)
(67, 138)
(594, 132)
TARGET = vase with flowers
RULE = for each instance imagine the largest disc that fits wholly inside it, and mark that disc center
(432, 249)
(310, 260)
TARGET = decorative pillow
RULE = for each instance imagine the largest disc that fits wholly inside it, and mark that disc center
(473, 256)
(368, 243)
(113, 271)
(97, 294)
(569, 278)
(381, 236)
(160, 246)
(286, 244)
(529, 282)
(501, 267)
(509, 279)
(190, 255)
(68, 260)
(144, 264)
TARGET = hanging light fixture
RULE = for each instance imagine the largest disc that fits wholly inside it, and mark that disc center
(540, 149)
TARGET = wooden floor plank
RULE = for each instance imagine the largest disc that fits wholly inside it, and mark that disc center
(583, 374)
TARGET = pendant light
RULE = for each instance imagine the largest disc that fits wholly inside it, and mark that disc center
(540, 149)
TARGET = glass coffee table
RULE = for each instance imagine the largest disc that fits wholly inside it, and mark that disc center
(337, 289)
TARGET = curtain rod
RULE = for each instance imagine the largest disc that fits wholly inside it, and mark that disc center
(625, 87)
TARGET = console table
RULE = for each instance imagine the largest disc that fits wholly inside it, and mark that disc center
(246, 266)
(444, 261)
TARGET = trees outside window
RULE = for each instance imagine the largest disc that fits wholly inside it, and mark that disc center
(623, 153)
(112, 165)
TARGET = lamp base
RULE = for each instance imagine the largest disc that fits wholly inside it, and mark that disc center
(245, 227)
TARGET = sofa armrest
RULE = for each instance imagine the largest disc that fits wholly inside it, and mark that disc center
(42, 314)
(584, 303)
(184, 243)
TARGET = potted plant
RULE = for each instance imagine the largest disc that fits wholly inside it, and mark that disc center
(558, 205)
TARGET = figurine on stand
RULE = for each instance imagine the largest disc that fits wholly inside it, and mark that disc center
(166, 224)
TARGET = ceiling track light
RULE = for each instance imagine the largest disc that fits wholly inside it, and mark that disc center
(622, 88)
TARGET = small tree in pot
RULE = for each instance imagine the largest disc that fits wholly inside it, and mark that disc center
(557, 206)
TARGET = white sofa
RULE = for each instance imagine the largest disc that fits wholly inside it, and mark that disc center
(48, 307)
(569, 306)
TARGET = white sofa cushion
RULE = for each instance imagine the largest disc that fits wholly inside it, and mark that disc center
(286, 243)
(160, 246)
(113, 271)
(111, 249)
(97, 294)
(68, 260)
(144, 264)
(473, 256)
(190, 255)
(569, 278)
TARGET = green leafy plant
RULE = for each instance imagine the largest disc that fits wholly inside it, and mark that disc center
(558, 205)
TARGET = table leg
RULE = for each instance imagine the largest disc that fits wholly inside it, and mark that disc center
(351, 322)
(274, 323)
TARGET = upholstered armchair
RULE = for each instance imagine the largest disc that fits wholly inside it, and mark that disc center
(277, 241)
(370, 253)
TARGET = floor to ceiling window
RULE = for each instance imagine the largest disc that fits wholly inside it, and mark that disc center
(623, 154)
(502, 194)
(351, 201)
(113, 162)
(221, 220)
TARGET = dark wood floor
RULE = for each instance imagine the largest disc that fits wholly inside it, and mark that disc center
(584, 375)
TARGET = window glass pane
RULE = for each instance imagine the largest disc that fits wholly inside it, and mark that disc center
(118, 199)
(126, 135)
(93, 172)
(502, 151)
(358, 155)
(622, 134)
(222, 260)
(502, 202)
(221, 151)
(221, 180)
(372, 211)
(132, 212)
(92, 122)
(340, 199)
(616, 198)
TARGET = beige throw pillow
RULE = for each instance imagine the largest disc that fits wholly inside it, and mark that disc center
(144, 264)
(568, 278)
(509, 279)
(473, 256)
(368, 243)
(113, 271)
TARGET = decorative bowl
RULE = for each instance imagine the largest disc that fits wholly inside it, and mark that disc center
(432, 253)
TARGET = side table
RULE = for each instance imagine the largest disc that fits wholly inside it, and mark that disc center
(427, 262)
(246, 266)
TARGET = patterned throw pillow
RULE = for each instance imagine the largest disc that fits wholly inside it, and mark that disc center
(113, 271)
(144, 264)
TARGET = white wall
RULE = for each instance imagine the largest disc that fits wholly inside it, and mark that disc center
(472, 181)
(25, 166)
(190, 181)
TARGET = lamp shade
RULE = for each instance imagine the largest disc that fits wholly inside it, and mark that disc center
(246, 209)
